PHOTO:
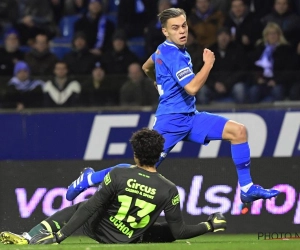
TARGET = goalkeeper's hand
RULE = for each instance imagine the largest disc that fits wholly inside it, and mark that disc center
(47, 238)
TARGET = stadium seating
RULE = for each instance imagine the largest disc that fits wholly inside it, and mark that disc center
(62, 44)
(137, 46)
(112, 11)
(66, 26)
(113, 17)
(25, 48)
(113, 6)
(60, 50)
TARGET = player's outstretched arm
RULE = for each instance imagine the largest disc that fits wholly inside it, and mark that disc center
(216, 222)
(178, 227)
(200, 78)
(149, 68)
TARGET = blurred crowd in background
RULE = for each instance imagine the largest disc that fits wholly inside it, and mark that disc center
(70, 53)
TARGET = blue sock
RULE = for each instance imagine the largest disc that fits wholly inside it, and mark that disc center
(241, 157)
(98, 176)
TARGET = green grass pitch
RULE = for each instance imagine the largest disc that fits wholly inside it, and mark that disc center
(206, 242)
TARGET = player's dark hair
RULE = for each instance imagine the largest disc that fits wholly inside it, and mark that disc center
(147, 146)
(165, 15)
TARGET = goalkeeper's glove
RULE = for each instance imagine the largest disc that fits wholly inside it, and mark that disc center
(46, 238)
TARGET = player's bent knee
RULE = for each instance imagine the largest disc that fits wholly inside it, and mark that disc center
(235, 132)
(241, 132)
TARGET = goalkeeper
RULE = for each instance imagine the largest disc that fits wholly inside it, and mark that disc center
(125, 207)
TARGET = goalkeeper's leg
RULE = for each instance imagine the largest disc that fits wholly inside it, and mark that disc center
(51, 224)
(55, 222)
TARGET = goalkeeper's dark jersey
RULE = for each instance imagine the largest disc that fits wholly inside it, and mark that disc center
(129, 201)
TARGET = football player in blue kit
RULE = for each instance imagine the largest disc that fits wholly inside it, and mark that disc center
(177, 119)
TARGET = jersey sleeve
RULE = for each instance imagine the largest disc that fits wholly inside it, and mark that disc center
(95, 204)
(153, 57)
(172, 209)
(180, 70)
(175, 220)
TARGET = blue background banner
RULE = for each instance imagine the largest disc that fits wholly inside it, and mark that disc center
(96, 136)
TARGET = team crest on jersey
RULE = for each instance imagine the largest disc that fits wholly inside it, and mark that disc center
(183, 73)
(176, 200)
(159, 61)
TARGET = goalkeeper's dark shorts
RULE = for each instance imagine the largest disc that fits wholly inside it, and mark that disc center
(158, 232)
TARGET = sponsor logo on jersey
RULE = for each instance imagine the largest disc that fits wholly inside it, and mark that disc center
(183, 73)
(137, 188)
(141, 187)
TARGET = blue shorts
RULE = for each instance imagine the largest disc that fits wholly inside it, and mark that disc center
(199, 127)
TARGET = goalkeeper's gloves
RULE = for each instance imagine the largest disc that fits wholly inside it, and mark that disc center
(45, 238)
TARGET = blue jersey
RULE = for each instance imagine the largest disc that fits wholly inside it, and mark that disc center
(174, 70)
